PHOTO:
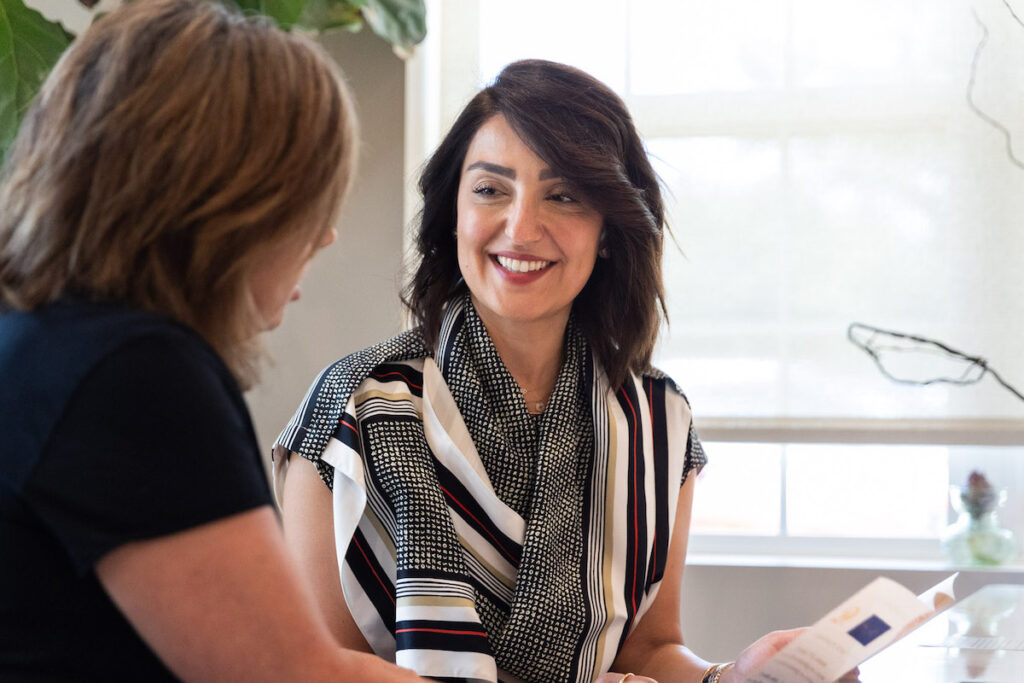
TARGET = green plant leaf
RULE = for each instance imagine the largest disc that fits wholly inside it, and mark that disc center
(30, 45)
(321, 15)
(284, 12)
(403, 23)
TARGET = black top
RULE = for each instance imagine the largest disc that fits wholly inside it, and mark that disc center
(117, 425)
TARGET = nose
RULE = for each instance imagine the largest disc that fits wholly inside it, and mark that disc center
(329, 238)
(525, 224)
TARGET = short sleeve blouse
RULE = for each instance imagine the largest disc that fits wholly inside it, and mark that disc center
(120, 426)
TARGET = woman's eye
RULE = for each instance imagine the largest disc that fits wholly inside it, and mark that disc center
(485, 190)
(562, 198)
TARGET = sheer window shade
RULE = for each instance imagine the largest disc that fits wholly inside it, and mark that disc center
(822, 166)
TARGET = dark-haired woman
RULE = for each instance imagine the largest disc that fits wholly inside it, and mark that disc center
(504, 492)
(166, 192)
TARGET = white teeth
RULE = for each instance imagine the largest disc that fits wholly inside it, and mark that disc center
(517, 266)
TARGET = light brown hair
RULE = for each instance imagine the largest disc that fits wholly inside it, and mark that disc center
(174, 144)
(585, 133)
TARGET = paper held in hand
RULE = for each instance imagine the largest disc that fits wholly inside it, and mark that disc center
(872, 619)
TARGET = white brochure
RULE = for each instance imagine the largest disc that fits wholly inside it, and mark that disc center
(872, 619)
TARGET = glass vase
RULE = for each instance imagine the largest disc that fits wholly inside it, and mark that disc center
(977, 537)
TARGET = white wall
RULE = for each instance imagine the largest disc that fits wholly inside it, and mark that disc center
(350, 296)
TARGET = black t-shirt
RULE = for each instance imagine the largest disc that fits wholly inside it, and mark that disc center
(116, 425)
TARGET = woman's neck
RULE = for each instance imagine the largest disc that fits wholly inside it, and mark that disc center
(532, 352)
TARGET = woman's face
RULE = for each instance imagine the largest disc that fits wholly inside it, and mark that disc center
(276, 278)
(527, 242)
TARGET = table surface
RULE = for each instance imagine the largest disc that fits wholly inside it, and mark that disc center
(981, 638)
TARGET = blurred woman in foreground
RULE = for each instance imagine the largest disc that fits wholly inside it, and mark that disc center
(177, 172)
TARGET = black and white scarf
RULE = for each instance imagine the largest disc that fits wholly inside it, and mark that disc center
(477, 542)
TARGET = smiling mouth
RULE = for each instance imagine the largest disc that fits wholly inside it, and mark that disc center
(519, 266)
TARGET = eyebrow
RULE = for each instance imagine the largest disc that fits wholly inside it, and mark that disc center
(545, 174)
(493, 168)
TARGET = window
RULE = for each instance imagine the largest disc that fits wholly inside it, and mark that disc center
(822, 167)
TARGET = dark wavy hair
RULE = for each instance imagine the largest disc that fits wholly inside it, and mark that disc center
(584, 131)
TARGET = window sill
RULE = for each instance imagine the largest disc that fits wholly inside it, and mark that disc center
(764, 561)
(970, 432)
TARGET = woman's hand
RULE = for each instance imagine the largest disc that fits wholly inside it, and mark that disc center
(613, 677)
(763, 649)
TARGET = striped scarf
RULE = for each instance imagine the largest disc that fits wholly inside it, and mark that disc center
(477, 542)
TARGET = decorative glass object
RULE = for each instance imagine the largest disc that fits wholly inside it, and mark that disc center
(976, 537)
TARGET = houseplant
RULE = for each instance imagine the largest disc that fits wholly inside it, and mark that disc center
(30, 44)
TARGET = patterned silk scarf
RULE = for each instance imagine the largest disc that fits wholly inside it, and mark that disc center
(478, 543)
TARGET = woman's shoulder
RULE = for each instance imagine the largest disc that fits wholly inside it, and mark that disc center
(383, 360)
(66, 351)
(395, 376)
(83, 324)
(662, 379)
(65, 339)
(317, 416)
(679, 417)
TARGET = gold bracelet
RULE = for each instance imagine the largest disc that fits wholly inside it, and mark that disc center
(717, 673)
(623, 679)
(706, 676)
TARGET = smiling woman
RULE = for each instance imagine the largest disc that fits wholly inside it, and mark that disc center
(526, 245)
(504, 492)
(593, 160)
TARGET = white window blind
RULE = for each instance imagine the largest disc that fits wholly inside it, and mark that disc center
(822, 166)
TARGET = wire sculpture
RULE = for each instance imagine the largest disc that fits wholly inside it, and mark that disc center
(879, 343)
(1003, 130)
